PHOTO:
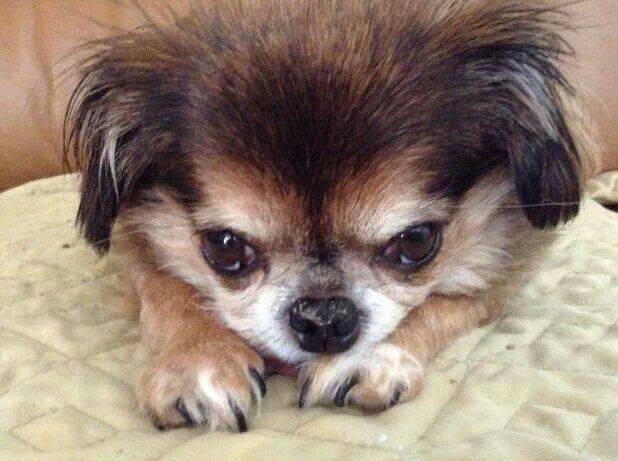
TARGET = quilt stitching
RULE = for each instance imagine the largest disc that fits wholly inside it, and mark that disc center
(574, 350)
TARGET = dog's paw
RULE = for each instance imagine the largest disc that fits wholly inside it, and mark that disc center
(373, 381)
(215, 389)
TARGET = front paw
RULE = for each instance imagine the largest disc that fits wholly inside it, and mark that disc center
(203, 386)
(373, 381)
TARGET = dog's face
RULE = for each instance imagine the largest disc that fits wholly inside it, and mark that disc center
(320, 169)
(297, 278)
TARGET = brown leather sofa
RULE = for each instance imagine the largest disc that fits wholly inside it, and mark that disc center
(37, 36)
(37, 40)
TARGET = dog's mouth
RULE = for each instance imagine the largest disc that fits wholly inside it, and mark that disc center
(277, 367)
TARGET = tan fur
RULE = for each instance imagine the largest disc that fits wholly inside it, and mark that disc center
(382, 199)
(239, 196)
(432, 325)
(322, 134)
(186, 341)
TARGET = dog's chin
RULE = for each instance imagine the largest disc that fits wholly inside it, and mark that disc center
(280, 351)
(287, 361)
(289, 358)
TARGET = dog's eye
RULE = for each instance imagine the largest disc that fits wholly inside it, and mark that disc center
(414, 247)
(226, 252)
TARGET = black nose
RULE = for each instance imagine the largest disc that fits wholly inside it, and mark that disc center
(324, 325)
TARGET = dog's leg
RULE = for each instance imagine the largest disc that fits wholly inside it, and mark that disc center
(200, 372)
(392, 371)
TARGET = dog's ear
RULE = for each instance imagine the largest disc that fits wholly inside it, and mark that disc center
(123, 116)
(523, 101)
(546, 168)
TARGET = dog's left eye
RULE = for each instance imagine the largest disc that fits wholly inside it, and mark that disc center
(226, 252)
(413, 247)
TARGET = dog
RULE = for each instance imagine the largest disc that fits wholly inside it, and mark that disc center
(336, 188)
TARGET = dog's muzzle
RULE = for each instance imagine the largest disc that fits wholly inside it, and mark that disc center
(325, 325)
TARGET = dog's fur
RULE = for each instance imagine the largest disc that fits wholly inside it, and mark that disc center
(317, 130)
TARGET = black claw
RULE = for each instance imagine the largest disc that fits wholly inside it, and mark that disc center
(343, 390)
(304, 390)
(157, 423)
(202, 409)
(182, 409)
(241, 421)
(259, 379)
(396, 396)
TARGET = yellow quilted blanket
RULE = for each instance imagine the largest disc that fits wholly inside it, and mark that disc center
(541, 383)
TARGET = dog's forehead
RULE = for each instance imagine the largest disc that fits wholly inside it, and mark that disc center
(245, 198)
(362, 205)
(331, 145)
(308, 107)
(383, 198)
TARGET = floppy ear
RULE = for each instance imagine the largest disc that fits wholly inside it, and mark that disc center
(121, 119)
(546, 169)
(535, 132)
(525, 98)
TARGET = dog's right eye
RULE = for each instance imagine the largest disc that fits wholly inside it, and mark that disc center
(414, 247)
(227, 253)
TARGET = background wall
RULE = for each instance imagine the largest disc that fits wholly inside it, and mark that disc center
(37, 42)
(37, 36)
(596, 44)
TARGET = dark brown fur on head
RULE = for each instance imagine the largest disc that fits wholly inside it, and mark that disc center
(340, 185)
(310, 92)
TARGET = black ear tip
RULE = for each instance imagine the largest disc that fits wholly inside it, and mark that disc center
(97, 231)
(101, 247)
(98, 237)
(548, 183)
(547, 206)
(549, 216)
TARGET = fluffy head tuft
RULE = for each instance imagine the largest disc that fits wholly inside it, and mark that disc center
(318, 130)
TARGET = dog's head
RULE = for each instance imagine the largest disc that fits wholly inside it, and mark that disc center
(318, 169)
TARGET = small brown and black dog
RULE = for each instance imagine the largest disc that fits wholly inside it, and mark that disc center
(339, 186)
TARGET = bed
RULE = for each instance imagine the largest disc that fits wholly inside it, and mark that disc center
(541, 383)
